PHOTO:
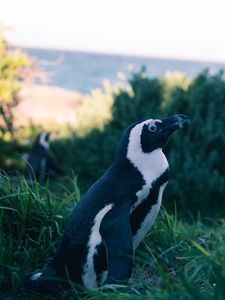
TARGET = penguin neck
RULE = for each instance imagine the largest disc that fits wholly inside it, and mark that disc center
(43, 142)
(150, 165)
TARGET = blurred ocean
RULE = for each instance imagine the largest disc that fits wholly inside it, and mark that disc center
(85, 71)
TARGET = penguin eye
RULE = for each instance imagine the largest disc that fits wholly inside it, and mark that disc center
(152, 127)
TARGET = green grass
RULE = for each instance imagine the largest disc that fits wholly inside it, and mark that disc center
(177, 260)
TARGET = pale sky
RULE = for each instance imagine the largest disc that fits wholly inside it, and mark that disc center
(191, 29)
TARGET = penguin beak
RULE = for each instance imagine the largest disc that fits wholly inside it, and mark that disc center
(175, 122)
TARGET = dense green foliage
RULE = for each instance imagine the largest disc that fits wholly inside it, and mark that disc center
(195, 154)
(176, 261)
(12, 64)
(14, 67)
(197, 157)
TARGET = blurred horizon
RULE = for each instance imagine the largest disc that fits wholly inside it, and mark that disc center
(96, 52)
(86, 71)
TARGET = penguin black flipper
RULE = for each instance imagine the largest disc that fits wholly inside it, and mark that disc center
(117, 237)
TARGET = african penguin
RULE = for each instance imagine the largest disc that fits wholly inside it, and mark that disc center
(41, 162)
(115, 214)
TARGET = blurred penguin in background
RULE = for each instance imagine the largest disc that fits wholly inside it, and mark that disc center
(41, 161)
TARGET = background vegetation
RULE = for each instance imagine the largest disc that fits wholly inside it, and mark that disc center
(183, 257)
(195, 154)
(15, 68)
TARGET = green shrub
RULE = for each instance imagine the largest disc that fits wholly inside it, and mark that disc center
(13, 65)
(195, 154)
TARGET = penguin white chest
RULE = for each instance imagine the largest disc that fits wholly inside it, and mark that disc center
(151, 166)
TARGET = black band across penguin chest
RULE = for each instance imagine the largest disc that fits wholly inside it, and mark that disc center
(140, 211)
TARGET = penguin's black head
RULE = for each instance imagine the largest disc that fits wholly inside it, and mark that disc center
(149, 135)
(155, 133)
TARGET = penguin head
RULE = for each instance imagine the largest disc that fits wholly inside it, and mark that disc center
(149, 135)
(155, 133)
